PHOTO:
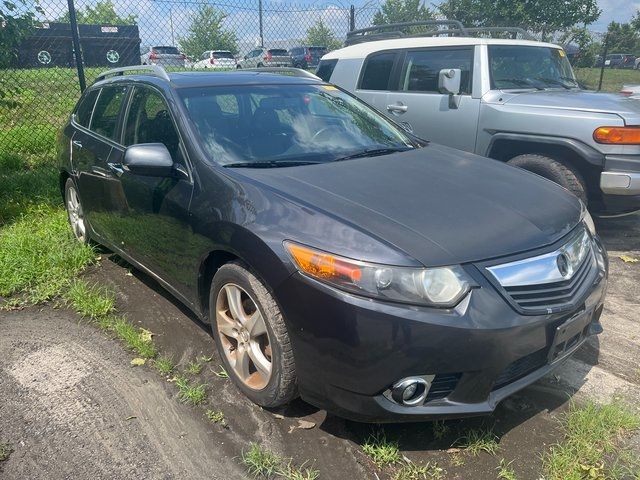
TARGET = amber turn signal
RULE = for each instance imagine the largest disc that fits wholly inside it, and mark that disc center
(617, 135)
(323, 265)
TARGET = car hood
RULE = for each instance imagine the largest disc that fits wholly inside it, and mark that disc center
(581, 100)
(438, 205)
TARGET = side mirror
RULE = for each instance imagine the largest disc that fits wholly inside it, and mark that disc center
(151, 159)
(449, 82)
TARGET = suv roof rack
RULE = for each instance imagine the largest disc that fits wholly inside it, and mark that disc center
(292, 72)
(399, 30)
(155, 70)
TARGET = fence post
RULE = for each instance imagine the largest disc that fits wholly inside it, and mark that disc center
(352, 18)
(260, 20)
(75, 35)
(604, 56)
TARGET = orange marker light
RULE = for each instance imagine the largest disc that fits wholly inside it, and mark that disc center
(324, 265)
(617, 135)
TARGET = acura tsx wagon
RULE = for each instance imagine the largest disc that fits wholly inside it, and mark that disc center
(337, 257)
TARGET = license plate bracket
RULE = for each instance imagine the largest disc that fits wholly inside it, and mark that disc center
(569, 335)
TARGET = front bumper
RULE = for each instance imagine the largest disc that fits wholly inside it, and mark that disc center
(349, 350)
(620, 183)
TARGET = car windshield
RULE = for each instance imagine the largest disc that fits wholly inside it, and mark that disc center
(280, 124)
(521, 66)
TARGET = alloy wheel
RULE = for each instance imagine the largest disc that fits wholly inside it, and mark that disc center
(75, 213)
(244, 336)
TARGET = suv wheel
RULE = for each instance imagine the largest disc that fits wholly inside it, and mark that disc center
(554, 170)
(75, 213)
(251, 336)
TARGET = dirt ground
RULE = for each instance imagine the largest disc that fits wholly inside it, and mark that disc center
(72, 406)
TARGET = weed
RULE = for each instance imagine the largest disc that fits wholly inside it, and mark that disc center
(133, 337)
(164, 365)
(440, 429)
(413, 471)
(505, 472)
(380, 450)
(193, 368)
(291, 472)
(592, 432)
(260, 461)
(479, 440)
(222, 373)
(457, 460)
(89, 300)
(191, 393)
(204, 359)
(5, 451)
(216, 416)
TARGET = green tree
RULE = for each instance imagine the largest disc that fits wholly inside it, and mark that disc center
(17, 21)
(543, 17)
(206, 33)
(396, 11)
(322, 36)
(102, 13)
(624, 37)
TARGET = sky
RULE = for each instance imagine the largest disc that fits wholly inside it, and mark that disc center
(164, 21)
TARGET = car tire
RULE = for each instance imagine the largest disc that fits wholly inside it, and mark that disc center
(554, 170)
(255, 301)
(75, 212)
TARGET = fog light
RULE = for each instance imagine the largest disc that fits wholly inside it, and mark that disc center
(410, 391)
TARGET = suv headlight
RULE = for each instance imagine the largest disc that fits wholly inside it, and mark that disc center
(585, 217)
(438, 287)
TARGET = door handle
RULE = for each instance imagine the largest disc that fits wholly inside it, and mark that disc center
(397, 108)
(116, 168)
(77, 143)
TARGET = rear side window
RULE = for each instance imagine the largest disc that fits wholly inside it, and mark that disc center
(105, 115)
(85, 107)
(377, 71)
(421, 68)
(325, 69)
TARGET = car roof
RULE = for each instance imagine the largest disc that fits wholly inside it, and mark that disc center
(361, 50)
(213, 79)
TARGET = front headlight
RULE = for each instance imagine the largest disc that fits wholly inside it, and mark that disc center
(587, 220)
(439, 287)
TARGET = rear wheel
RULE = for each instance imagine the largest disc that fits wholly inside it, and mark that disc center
(75, 213)
(555, 170)
(251, 336)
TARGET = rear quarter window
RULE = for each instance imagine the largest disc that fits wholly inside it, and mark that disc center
(82, 115)
(376, 72)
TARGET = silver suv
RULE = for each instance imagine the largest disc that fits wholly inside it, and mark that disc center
(512, 100)
(265, 57)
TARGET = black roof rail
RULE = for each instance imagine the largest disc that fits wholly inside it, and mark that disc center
(154, 70)
(395, 30)
(401, 30)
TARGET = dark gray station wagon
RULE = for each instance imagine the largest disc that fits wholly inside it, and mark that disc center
(335, 256)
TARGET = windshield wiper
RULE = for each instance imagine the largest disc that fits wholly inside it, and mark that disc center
(373, 152)
(520, 81)
(553, 81)
(271, 164)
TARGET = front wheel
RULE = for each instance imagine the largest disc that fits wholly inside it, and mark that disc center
(75, 212)
(251, 336)
(557, 171)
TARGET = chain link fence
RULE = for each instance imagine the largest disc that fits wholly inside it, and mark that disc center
(41, 78)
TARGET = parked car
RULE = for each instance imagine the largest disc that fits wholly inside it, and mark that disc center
(282, 211)
(631, 91)
(636, 63)
(265, 57)
(306, 57)
(165, 56)
(620, 60)
(516, 101)
(216, 59)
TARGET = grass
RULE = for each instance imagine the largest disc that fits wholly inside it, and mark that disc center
(261, 462)
(382, 451)
(414, 471)
(440, 429)
(190, 392)
(216, 416)
(479, 440)
(134, 338)
(164, 365)
(193, 368)
(90, 301)
(505, 472)
(39, 256)
(612, 81)
(592, 434)
(5, 451)
(222, 373)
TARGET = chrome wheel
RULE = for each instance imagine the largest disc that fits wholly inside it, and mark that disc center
(76, 215)
(244, 336)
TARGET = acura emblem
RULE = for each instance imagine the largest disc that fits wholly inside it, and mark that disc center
(563, 264)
